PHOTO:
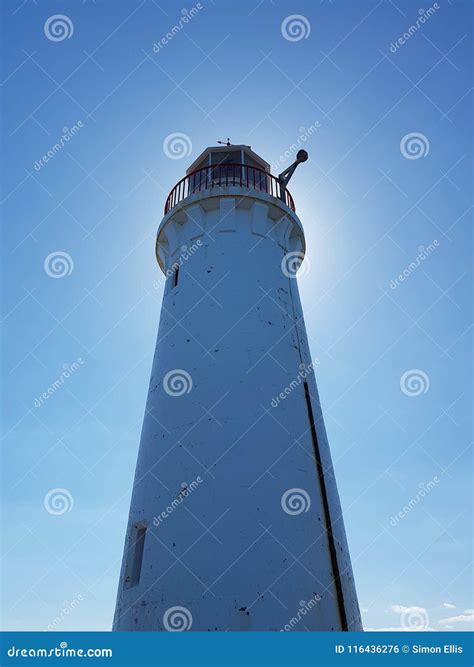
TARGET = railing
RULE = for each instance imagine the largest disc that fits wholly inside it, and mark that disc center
(225, 175)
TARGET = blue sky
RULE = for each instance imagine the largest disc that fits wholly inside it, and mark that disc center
(367, 210)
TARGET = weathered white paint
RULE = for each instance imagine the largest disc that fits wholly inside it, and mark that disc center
(227, 552)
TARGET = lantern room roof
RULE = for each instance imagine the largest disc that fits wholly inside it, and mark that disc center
(204, 159)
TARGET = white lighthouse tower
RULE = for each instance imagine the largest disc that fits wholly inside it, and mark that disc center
(235, 521)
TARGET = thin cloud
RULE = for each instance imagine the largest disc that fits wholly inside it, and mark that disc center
(407, 626)
(448, 605)
(400, 609)
(399, 629)
(383, 629)
(466, 617)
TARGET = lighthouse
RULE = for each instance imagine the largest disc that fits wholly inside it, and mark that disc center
(235, 522)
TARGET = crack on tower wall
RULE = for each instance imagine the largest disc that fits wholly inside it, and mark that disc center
(322, 482)
(327, 513)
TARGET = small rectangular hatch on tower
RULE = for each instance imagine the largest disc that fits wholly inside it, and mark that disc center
(133, 566)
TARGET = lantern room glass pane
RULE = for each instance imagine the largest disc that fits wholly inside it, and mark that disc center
(226, 169)
(199, 181)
